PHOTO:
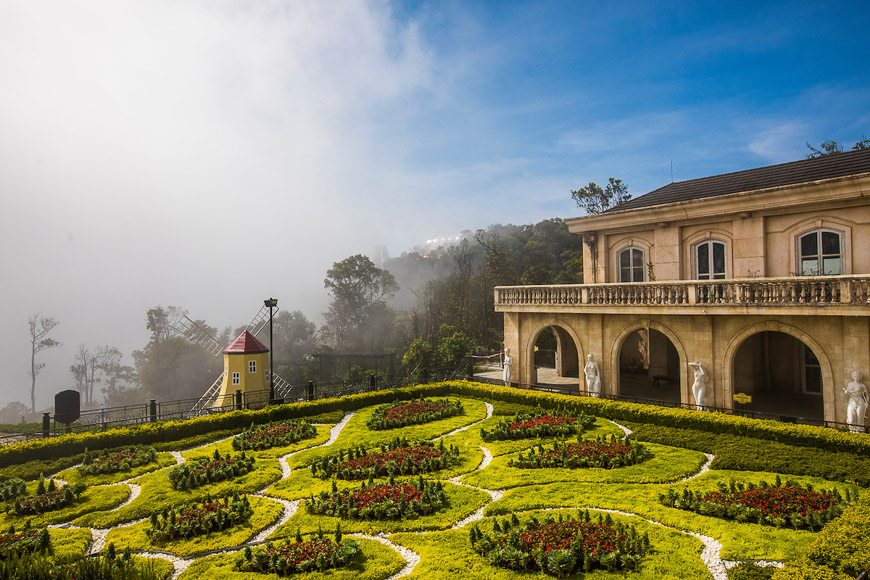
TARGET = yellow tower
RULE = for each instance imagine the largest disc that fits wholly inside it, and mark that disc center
(246, 367)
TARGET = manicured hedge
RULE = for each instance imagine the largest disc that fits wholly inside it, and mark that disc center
(710, 423)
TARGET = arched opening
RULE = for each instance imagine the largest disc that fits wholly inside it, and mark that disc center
(781, 374)
(649, 366)
(556, 360)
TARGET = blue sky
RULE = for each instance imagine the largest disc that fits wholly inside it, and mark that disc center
(208, 154)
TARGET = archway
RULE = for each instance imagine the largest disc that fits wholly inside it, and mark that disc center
(555, 355)
(649, 366)
(782, 374)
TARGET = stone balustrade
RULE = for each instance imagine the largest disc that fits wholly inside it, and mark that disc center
(803, 291)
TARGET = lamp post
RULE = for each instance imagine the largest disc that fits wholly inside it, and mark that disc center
(271, 303)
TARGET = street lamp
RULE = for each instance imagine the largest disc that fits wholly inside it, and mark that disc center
(271, 303)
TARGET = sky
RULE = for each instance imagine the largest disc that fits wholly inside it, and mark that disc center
(209, 154)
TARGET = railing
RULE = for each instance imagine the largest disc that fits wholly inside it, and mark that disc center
(793, 291)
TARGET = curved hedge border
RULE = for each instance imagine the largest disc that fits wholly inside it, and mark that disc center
(800, 435)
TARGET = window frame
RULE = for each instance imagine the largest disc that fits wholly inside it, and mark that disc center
(237, 378)
(631, 269)
(819, 255)
(252, 366)
(712, 275)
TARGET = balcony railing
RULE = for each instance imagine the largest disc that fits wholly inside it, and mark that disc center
(747, 292)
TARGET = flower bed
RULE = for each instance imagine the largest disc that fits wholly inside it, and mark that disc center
(194, 474)
(275, 434)
(12, 488)
(777, 505)
(381, 501)
(199, 518)
(26, 541)
(412, 413)
(538, 424)
(318, 553)
(397, 458)
(597, 453)
(46, 499)
(107, 462)
(560, 547)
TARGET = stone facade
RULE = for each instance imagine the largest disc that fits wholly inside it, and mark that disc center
(768, 287)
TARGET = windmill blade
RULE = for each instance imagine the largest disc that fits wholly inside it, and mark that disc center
(195, 334)
(259, 321)
(210, 397)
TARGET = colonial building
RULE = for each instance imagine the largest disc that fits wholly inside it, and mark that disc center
(762, 276)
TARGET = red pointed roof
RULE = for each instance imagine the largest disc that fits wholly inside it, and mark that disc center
(246, 343)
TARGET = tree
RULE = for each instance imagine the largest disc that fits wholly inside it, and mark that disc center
(359, 292)
(831, 147)
(91, 368)
(596, 200)
(293, 335)
(39, 327)
(159, 321)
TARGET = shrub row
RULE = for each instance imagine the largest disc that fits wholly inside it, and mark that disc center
(46, 499)
(199, 518)
(597, 453)
(538, 424)
(400, 414)
(709, 423)
(194, 474)
(123, 460)
(742, 454)
(15, 543)
(381, 501)
(280, 433)
(396, 458)
(318, 553)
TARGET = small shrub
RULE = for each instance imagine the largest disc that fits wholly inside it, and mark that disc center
(199, 518)
(12, 488)
(398, 414)
(381, 501)
(106, 462)
(276, 434)
(538, 424)
(396, 458)
(596, 453)
(195, 474)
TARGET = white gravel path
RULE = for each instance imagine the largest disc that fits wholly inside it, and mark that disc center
(469, 426)
(411, 557)
(290, 508)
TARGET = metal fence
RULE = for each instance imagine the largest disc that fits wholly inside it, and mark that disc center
(124, 416)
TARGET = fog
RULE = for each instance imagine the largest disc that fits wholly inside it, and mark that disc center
(211, 154)
(203, 155)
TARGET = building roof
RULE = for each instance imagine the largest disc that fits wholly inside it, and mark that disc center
(793, 173)
(246, 343)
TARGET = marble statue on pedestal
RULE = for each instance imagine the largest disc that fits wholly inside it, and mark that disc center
(593, 376)
(508, 365)
(699, 387)
(857, 407)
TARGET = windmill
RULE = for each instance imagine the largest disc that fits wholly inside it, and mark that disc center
(188, 329)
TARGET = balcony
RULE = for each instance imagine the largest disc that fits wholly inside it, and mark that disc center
(800, 295)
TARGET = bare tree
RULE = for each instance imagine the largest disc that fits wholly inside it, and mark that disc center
(39, 327)
(90, 368)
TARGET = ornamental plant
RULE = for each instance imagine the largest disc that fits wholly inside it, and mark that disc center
(772, 505)
(47, 498)
(381, 501)
(538, 424)
(27, 541)
(396, 458)
(123, 460)
(199, 518)
(398, 414)
(600, 452)
(317, 553)
(276, 434)
(561, 547)
(194, 474)
(12, 488)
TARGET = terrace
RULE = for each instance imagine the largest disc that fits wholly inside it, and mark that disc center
(797, 295)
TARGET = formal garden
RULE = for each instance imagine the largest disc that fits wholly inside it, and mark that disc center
(447, 480)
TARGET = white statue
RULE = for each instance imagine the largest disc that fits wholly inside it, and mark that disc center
(508, 365)
(856, 411)
(699, 387)
(593, 376)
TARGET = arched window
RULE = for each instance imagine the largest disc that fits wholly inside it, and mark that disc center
(631, 264)
(710, 261)
(820, 253)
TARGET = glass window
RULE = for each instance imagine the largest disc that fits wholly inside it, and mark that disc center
(252, 366)
(237, 378)
(710, 261)
(821, 253)
(812, 373)
(631, 265)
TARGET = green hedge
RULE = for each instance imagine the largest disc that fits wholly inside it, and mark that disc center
(742, 454)
(710, 423)
(841, 551)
